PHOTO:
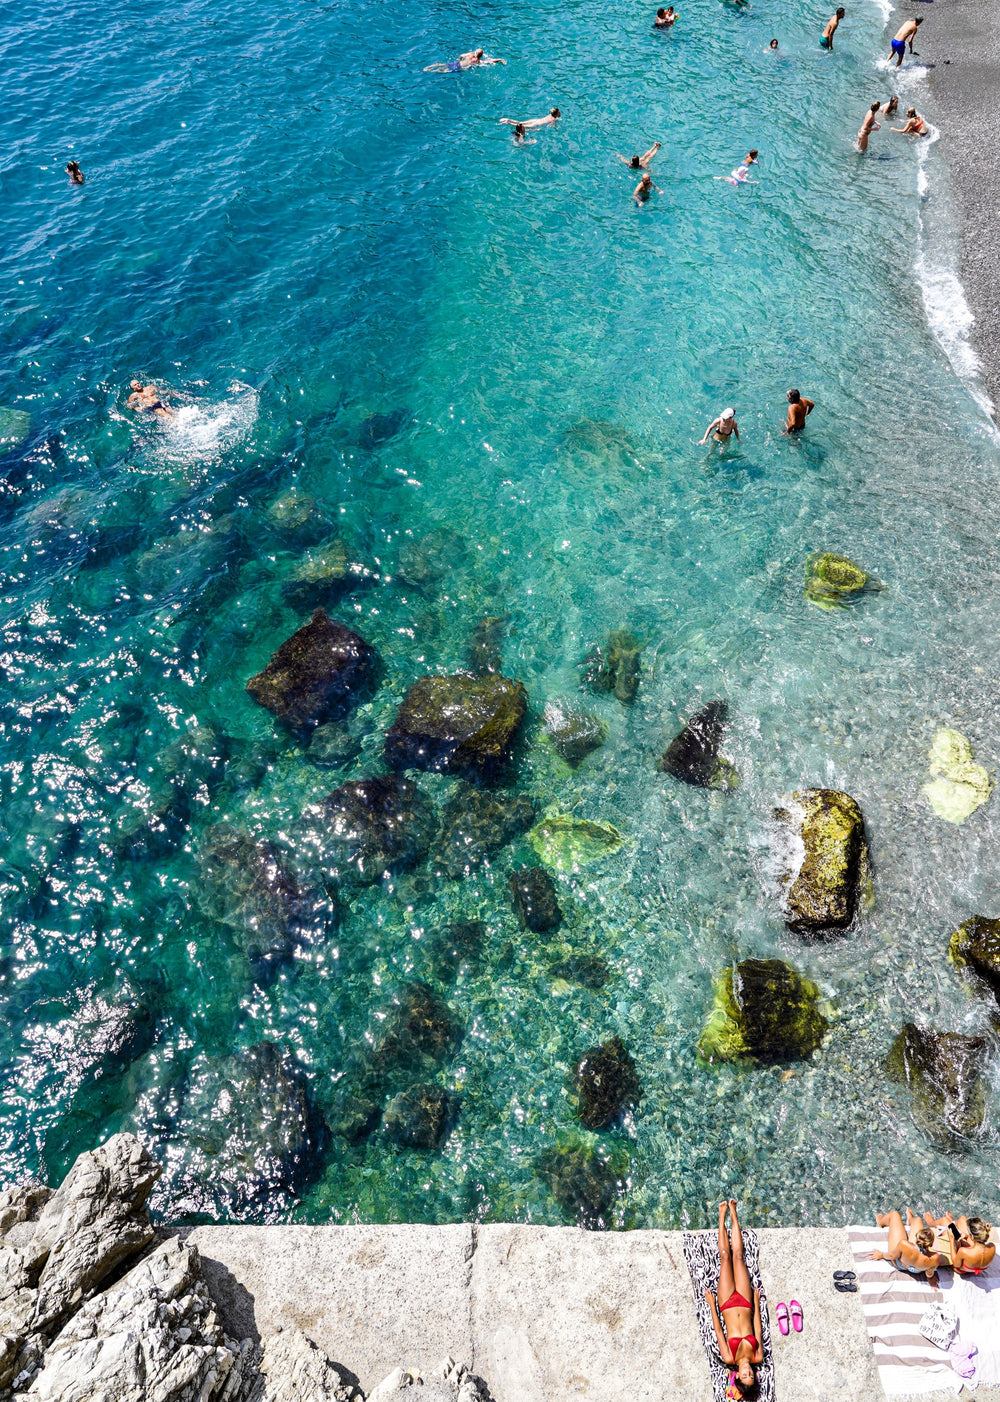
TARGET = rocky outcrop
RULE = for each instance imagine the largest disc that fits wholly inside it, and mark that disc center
(833, 580)
(823, 895)
(614, 666)
(574, 733)
(448, 1382)
(369, 827)
(293, 1369)
(535, 900)
(458, 725)
(316, 675)
(693, 755)
(976, 944)
(764, 1009)
(607, 1084)
(957, 786)
(566, 843)
(475, 824)
(945, 1073)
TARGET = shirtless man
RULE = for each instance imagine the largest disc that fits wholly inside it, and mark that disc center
(798, 408)
(723, 428)
(644, 189)
(475, 58)
(74, 172)
(905, 32)
(909, 1250)
(826, 42)
(534, 122)
(640, 162)
(665, 18)
(915, 124)
(146, 399)
(868, 126)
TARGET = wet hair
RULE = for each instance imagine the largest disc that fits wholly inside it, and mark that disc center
(661, 14)
(911, 111)
(893, 102)
(634, 163)
(925, 1239)
(72, 165)
(876, 106)
(555, 112)
(753, 153)
(841, 12)
(979, 1230)
(518, 128)
(774, 43)
(918, 19)
(794, 396)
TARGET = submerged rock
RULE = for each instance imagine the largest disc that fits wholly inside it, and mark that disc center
(429, 558)
(317, 674)
(15, 428)
(457, 725)
(486, 646)
(584, 1179)
(977, 945)
(566, 843)
(535, 899)
(832, 580)
(195, 763)
(369, 827)
(456, 948)
(323, 575)
(824, 893)
(958, 786)
(332, 746)
(944, 1071)
(583, 968)
(693, 755)
(297, 518)
(763, 1009)
(245, 885)
(607, 1084)
(475, 824)
(380, 428)
(574, 734)
(615, 666)
(419, 1118)
(418, 1030)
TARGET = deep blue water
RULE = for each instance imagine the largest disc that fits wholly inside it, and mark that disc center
(291, 228)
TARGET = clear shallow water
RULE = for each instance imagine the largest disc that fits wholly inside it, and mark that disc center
(294, 228)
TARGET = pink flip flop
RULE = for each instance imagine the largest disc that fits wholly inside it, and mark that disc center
(781, 1315)
(796, 1311)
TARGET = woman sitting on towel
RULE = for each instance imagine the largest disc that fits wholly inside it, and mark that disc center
(911, 1248)
(737, 1317)
(964, 1243)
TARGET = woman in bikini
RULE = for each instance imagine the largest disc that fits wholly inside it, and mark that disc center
(722, 428)
(736, 1316)
(915, 124)
(911, 1248)
(963, 1243)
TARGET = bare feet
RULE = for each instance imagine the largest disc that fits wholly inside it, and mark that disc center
(723, 1209)
(881, 1219)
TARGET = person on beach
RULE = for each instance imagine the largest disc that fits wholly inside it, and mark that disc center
(665, 18)
(911, 1248)
(915, 124)
(640, 162)
(798, 409)
(904, 33)
(533, 123)
(74, 172)
(868, 126)
(964, 1244)
(147, 400)
(826, 39)
(736, 1306)
(644, 189)
(475, 58)
(890, 108)
(722, 428)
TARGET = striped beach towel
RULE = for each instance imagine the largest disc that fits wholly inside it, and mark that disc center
(701, 1252)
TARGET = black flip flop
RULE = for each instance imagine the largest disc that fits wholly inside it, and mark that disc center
(844, 1275)
(846, 1287)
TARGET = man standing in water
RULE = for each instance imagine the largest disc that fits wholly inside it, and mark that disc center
(905, 32)
(826, 42)
(798, 408)
(644, 189)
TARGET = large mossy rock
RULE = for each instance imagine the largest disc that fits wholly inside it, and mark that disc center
(566, 843)
(417, 1032)
(977, 945)
(419, 1118)
(457, 725)
(246, 885)
(833, 580)
(574, 733)
(766, 1010)
(535, 900)
(369, 827)
(322, 575)
(693, 755)
(614, 666)
(824, 893)
(958, 786)
(316, 675)
(944, 1071)
(585, 1179)
(475, 824)
(607, 1084)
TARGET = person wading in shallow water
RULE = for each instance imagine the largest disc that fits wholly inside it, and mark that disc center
(736, 1316)
(798, 408)
(826, 40)
(915, 124)
(868, 126)
(908, 31)
(722, 428)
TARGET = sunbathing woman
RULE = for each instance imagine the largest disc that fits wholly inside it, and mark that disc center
(909, 1250)
(737, 1318)
(964, 1244)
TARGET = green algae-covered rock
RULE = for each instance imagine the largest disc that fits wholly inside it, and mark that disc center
(824, 894)
(566, 843)
(763, 1009)
(958, 786)
(458, 725)
(574, 734)
(832, 580)
(317, 674)
(976, 944)
(419, 1118)
(615, 666)
(15, 426)
(693, 755)
(585, 1179)
(607, 1084)
(944, 1071)
(535, 900)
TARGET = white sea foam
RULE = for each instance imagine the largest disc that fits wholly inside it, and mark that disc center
(201, 433)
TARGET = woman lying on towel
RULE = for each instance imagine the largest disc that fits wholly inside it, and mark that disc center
(911, 1248)
(964, 1243)
(736, 1316)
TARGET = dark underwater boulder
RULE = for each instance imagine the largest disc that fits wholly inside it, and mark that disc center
(614, 666)
(475, 824)
(945, 1073)
(535, 900)
(419, 1118)
(195, 763)
(332, 746)
(323, 575)
(824, 893)
(607, 1084)
(976, 944)
(369, 827)
(427, 559)
(455, 948)
(763, 1009)
(582, 967)
(574, 733)
(378, 429)
(585, 1180)
(457, 725)
(316, 675)
(246, 885)
(417, 1030)
(693, 755)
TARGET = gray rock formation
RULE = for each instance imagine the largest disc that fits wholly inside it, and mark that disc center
(294, 1370)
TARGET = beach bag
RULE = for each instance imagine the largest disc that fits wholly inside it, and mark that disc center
(939, 1324)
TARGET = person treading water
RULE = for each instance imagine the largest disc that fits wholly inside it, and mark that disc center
(665, 18)
(644, 189)
(147, 400)
(640, 162)
(475, 58)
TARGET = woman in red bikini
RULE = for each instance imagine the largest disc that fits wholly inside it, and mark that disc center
(737, 1318)
(964, 1243)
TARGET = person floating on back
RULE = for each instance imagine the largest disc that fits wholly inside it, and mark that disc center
(915, 124)
(74, 172)
(798, 408)
(146, 399)
(905, 32)
(644, 189)
(475, 58)
(665, 18)
(722, 428)
(534, 122)
(640, 162)
(868, 126)
(826, 41)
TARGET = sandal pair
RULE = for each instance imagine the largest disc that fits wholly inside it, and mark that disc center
(792, 1310)
(844, 1281)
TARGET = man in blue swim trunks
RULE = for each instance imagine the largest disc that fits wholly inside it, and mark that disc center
(475, 58)
(906, 32)
(826, 40)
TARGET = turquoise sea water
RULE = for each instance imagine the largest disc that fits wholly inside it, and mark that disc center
(292, 228)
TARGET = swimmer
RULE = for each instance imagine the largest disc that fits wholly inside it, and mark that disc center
(798, 408)
(665, 18)
(752, 158)
(146, 399)
(915, 124)
(475, 58)
(826, 42)
(868, 126)
(741, 175)
(772, 47)
(722, 428)
(905, 32)
(644, 189)
(535, 122)
(519, 137)
(640, 162)
(74, 172)
(890, 108)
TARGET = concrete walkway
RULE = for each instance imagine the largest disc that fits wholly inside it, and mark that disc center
(542, 1313)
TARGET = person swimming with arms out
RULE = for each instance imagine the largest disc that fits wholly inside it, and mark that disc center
(146, 399)
(533, 123)
(74, 172)
(475, 58)
(906, 32)
(644, 189)
(868, 126)
(665, 18)
(915, 124)
(722, 428)
(735, 1308)
(826, 39)
(798, 409)
(640, 162)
